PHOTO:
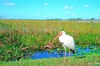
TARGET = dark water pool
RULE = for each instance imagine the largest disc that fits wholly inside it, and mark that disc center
(47, 54)
(58, 53)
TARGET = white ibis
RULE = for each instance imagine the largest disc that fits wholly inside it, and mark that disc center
(67, 42)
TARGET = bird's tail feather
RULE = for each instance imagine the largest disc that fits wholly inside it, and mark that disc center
(72, 50)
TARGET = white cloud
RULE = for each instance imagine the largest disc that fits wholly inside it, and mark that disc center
(73, 14)
(67, 13)
(37, 15)
(68, 7)
(5, 0)
(45, 4)
(87, 6)
(87, 15)
(9, 4)
(96, 15)
(98, 9)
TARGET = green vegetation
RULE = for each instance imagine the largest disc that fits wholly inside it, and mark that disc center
(89, 60)
(20, 36)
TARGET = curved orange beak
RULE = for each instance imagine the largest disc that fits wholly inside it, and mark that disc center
(57, 36)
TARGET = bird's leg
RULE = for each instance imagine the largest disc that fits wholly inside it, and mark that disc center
(65, 54)
(69, 55)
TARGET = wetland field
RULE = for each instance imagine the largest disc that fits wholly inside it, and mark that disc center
(19, 39)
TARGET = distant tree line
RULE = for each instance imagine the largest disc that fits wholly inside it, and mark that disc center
(73, 19)
(70, 19)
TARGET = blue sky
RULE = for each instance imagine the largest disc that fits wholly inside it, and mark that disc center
(49, 9)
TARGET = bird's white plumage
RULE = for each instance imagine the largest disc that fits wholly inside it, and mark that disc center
(67, 40)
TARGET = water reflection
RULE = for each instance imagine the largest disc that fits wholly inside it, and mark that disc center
(59, 53)
(47, 54)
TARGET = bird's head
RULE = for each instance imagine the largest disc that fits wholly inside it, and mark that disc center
(61, 34)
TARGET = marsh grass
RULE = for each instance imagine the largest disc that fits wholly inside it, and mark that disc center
(17, 34)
